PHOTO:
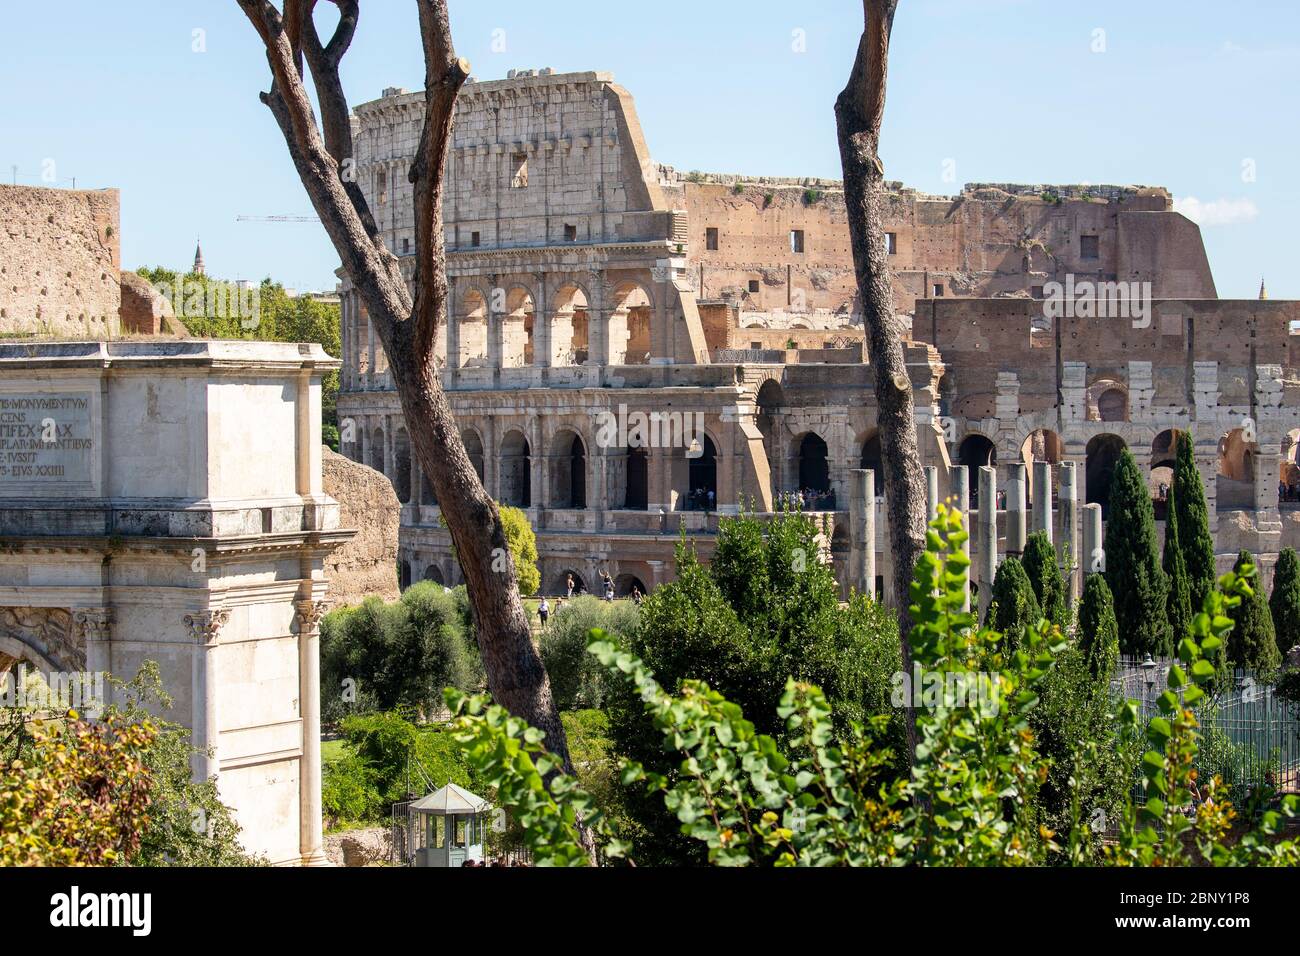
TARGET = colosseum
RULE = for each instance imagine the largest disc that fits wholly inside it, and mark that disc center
(636, 351)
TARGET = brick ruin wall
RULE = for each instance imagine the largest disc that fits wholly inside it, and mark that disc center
(60, 262)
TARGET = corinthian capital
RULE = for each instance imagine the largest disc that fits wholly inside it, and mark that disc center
(93, 623)
(309, 614)
(206, 626)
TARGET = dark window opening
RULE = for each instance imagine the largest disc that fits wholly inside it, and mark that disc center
(711, 239)
(1089, 247)
(796, 240)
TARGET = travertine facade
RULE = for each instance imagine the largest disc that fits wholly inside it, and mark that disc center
(589, 282)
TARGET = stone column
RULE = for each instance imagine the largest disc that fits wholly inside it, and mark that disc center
(931, 492)
(862, 507)
(452, 368)
(1043, 488)
(205, 628)
(1070, 527)
(1094, 555)
(310, 819)
(988, 534)
(960, 480)
(597, 321)
(1017, 524)
(95, 625)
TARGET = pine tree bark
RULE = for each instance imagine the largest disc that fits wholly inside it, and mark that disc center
(406, 324)
(858, 113)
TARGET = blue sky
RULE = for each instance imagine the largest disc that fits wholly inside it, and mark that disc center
(1193, 95)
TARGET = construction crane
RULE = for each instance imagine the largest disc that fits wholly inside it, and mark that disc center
(277, 219)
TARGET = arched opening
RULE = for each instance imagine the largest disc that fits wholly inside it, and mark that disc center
(569, 476)
(769, 400)
(625, 583)
(473, 448)
(561, 585)
(976, 452)
(402, 463)
(637, 491)
(629, 325)
(403, 574)
(1042, 444)
(434, 573)
(517, 329)
(569, 326)
(1160, 476)
(814, 469)
(1102, 455)
(377, 450)
(1288, 487)
(702, 475)
(1235, 484)
(516, 471)
(871, 459)
(1112, 405)
(472, 331)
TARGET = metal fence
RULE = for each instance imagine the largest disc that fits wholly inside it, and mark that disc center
(1249, 736)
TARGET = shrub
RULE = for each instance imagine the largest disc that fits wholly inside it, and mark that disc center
(1039, 564)
(383, 656)
(1098, 634)
(1253, 644)
(1014, 606)
(1133, 571)
(1194, 539)
(1178, 603)
(1284, 605)
(522, 543)
(577, 680)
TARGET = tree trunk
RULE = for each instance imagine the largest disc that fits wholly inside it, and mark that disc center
(406, 322)
(858, 113)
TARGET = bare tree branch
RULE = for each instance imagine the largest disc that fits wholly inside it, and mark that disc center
(859, 112)
(407, 325)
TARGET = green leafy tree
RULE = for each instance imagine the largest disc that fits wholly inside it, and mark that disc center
(1285, 602)
(1014, 609)
(1193, 519)
(1039, 563)
(1098, 632)
(1133, 571)
(813, 799)
(522, 542)
(385, 656)
(1253, 643)
(1178, 603)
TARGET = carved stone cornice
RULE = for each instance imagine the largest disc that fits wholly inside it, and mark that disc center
(206, 625)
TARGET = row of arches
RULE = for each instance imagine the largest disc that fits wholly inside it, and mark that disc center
(568, 475)
(562, 336)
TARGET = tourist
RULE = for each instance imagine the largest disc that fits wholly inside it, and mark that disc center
(543, 611)
(637, 596)
(712, 499)
(568, 584)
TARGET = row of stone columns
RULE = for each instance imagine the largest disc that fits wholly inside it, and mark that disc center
(1049, 504)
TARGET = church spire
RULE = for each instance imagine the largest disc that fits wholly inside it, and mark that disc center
(1263, 293)
(198, 269)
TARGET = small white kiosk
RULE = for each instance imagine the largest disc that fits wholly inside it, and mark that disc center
(454, 822)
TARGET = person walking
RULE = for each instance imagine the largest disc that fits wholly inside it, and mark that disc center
(568, 584)
(543, 611)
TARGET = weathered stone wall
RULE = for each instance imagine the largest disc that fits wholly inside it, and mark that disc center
(367, 564)
(144, 311)
(59, 262)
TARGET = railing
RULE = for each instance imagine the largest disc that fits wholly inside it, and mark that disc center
(1249, 736)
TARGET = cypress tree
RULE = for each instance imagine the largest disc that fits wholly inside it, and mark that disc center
(1098, 633)
(1193, 519)
(1015, 606)
(1133, 572)
(1178, 605)
(1039, 562)
(1252, 643)
(1285, 602)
